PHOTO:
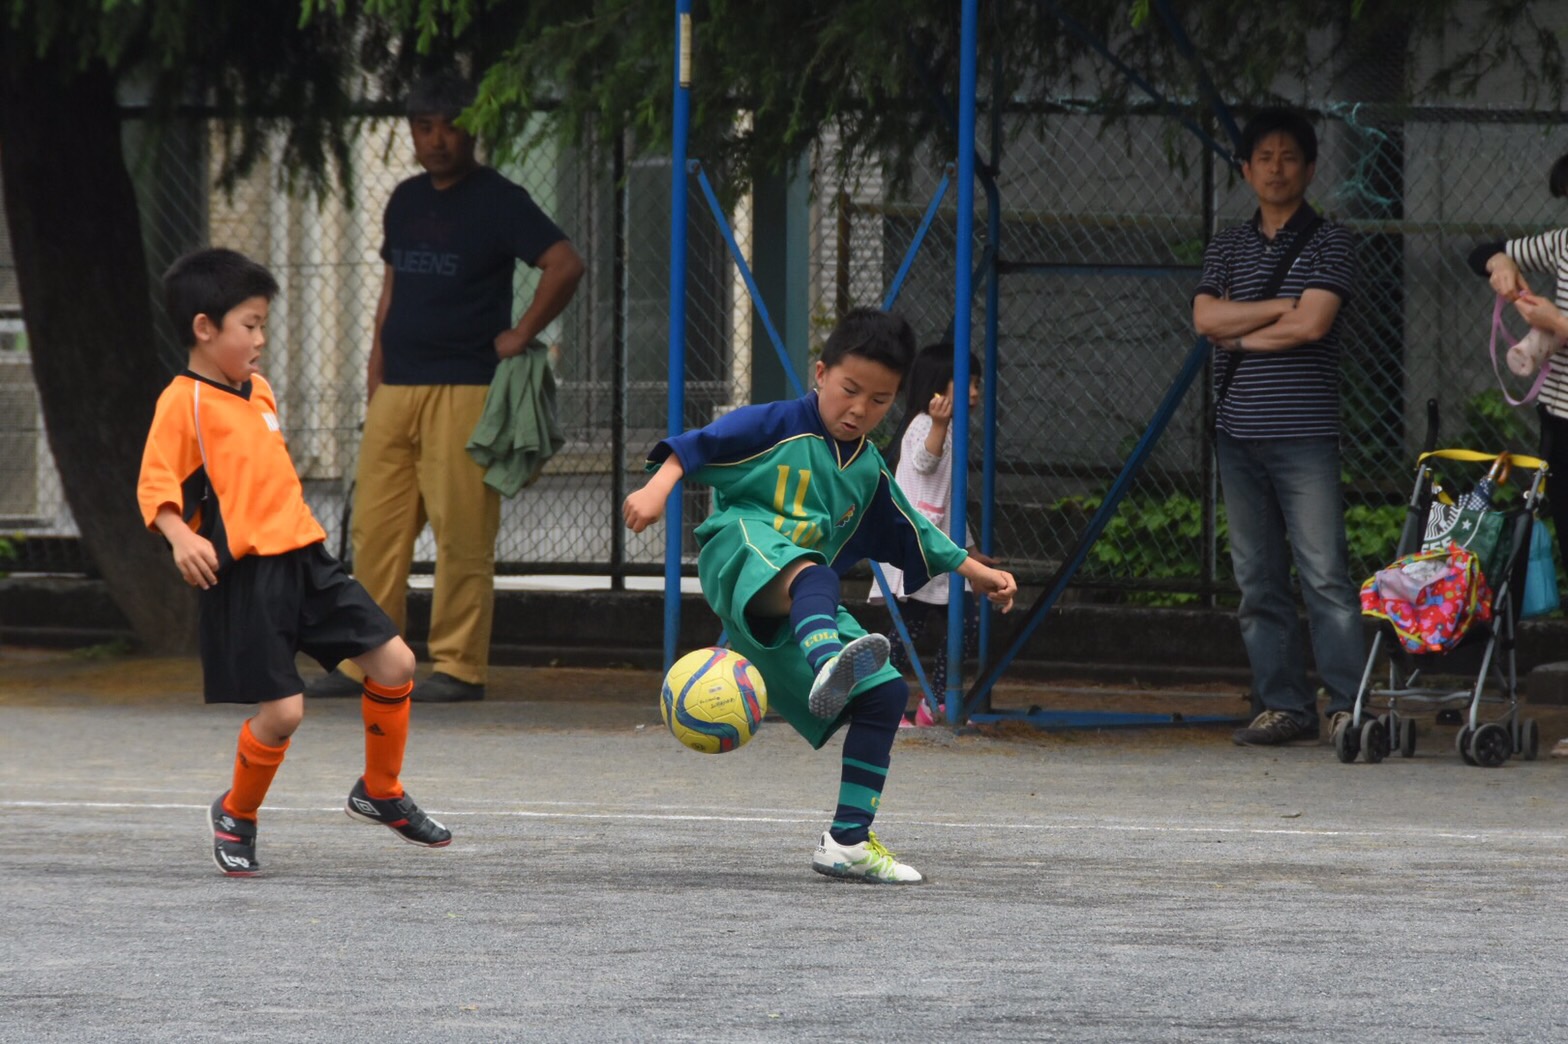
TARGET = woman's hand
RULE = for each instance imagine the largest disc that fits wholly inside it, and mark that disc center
(1505, 277)
(1542, 314)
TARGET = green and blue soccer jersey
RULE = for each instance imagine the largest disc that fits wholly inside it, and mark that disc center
(785, 489)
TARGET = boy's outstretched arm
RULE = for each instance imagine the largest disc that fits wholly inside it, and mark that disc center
(644, 507)
(996, 584)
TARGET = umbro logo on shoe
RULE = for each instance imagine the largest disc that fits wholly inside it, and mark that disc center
(400, 814)
(237, 862)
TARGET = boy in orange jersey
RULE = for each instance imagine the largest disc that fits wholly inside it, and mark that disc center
(217, 482)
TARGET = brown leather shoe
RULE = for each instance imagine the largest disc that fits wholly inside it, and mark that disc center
(1275, 728)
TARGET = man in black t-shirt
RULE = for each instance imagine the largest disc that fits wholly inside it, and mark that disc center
(453, 236)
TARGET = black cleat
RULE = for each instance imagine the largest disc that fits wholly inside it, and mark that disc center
(443, 688)
(233, 841)
(401, 815)
(334, 685)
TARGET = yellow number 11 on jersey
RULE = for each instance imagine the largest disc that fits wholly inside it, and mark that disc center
(804, 533)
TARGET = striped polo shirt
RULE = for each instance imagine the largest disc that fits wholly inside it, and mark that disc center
(1293, 393)
(1548, 253)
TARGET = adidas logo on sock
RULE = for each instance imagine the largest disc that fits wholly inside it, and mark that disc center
(375, 730)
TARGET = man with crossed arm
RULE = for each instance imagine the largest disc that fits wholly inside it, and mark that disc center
(1276, 376)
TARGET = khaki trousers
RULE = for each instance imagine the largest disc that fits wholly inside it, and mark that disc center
(413, 468)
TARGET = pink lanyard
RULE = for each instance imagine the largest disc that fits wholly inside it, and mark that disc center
(1540, 377)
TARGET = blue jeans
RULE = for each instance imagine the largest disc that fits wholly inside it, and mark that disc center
(1289, 488)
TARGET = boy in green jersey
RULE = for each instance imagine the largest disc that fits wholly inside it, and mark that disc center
(801, 495)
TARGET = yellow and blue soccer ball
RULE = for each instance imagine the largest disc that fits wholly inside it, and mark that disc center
(713, 700)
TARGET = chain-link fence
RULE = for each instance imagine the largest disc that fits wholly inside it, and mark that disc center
(1101, 230)
(1101, 234)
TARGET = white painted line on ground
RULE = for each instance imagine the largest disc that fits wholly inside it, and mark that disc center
(672, 815)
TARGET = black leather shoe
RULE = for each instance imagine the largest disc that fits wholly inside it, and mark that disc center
(334, 685)
(443, 688)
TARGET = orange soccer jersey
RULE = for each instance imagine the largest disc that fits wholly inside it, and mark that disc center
(217, 456)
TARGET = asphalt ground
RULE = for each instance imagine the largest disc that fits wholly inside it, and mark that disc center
(606, 884)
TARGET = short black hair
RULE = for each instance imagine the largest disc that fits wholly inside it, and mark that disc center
(872, 334)
(211, 282)
(1278, 121)
(1557, 180)
(440, 94)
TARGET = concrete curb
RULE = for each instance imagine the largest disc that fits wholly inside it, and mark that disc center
(1123, 644)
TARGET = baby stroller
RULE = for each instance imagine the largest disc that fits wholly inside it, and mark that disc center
(1438, 524)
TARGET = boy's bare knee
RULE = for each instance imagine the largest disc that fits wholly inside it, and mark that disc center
(774, 599)
(391, 665)
(277, 720)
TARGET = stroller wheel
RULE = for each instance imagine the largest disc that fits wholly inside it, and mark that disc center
(1407, 739)
(1347, 743)
(1529, 740)
(1462, 744)
(1491, 745)
(1374, 741)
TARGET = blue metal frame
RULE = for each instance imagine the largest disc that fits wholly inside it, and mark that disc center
(991, 268)
(694, 167)
(963, 313)
(1196, 360)
(1075, 27)
(940, 194)
(1205, 85)
(676, 398)
(887, 305)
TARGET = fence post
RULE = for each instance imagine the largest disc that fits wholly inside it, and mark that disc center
(963, 302)
(677, 386)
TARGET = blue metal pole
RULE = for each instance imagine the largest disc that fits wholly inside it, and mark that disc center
(677, 386)
(993, 200)
(746, 276)
(962, 308)
(914, 244)
(1196, 360)
(931, 699)
(1078, 30)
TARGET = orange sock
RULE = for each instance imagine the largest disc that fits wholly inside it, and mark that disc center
(255, 764)
(385, 712)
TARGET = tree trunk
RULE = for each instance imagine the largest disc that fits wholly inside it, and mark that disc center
(76, 236)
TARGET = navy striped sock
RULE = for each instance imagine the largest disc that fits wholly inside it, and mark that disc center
(813, 614)
(868, 751)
